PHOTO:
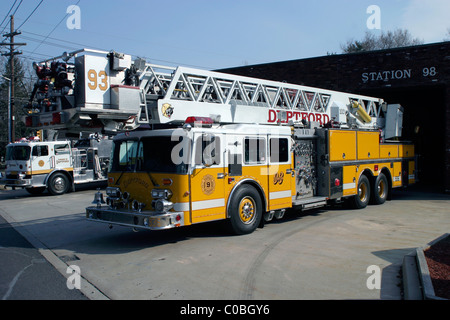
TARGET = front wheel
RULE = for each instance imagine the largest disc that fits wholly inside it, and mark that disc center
(245, 210)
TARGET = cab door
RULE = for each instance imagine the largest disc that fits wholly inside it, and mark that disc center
(207, 179)
(40, 159)
(62, 156)
(280, 172)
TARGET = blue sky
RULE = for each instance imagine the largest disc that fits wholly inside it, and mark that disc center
(217, 34)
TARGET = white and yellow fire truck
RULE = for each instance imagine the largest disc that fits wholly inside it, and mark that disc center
(57, 166)
(215, 146)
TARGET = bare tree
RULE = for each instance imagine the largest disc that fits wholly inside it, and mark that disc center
(386, 40)
(21, 96)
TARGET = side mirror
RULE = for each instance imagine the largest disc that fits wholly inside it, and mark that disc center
(208, 161)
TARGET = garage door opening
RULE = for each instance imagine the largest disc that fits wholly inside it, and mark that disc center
(424, 125)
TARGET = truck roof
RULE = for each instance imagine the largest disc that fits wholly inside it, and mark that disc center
(36, 143)
(229, 129)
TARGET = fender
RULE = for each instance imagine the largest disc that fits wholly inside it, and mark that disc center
(252, 183)
(59, 170)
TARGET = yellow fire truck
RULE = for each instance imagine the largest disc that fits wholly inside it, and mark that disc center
(212, 146)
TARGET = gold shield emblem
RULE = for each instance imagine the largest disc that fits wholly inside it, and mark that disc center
(208, 184)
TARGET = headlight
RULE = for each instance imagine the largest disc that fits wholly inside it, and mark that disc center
(163, 205)
(161, 194)
(113, 192)
(138, 206)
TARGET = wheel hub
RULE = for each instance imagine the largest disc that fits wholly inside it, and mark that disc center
(247, 210)
(59, 184)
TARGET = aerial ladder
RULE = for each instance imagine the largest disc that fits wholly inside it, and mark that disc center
(172, 94)
(96, 91)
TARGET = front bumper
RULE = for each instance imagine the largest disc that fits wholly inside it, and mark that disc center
(149, 220)
(19, 183)
(31, 181)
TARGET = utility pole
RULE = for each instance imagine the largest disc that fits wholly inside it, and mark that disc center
(9, 108)
(11, 55)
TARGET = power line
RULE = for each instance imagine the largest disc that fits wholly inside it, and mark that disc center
(37, 54)
(30, 14)
(17, 7)
(43, 41)
(54, 29)
(12, 53)
(65, 41)
(12, 13)
(6, 16)
(49, 43)
(96, 48)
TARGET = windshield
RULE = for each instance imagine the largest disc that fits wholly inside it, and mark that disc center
(124, 155)
(151, 154)
(18, 153)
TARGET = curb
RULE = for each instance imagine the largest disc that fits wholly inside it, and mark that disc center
(417, 284)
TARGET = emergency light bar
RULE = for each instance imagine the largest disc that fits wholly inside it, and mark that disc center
(204, 122)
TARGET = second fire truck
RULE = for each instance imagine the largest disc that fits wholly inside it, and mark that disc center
(56, 166)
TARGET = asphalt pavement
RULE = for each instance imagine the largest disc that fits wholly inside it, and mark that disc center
(321, 254)
(25, 274)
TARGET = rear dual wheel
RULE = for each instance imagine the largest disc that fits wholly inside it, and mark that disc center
(362, 198)
(380, 190)
(376, 194)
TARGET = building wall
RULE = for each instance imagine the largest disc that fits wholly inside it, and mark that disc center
(418, 77)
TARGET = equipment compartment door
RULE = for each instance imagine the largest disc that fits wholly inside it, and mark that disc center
(305, 168)
(280, 173)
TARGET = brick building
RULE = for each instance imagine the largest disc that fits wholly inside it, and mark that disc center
(416, 77)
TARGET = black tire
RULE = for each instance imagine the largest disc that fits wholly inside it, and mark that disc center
(58, 184)
(245, 210)
(361, 200)
(380, 190)
(37, 190)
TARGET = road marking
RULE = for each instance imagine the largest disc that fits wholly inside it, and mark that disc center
(14, 281)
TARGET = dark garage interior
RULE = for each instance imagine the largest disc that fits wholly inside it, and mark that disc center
(424, 125)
